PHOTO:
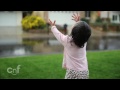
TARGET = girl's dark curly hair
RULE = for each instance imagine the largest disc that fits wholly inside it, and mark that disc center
(80, 33)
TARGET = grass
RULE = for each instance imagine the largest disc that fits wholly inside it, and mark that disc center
(102, 65)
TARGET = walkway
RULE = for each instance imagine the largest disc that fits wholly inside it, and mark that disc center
(37, 35)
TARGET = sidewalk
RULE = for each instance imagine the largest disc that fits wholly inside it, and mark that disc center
(38, 35)
(95, 33)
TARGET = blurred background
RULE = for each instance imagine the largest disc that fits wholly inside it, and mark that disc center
(28, 32)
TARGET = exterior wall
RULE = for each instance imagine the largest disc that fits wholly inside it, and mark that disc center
(94, 15)
(46, 16)
(104, 14)
(82, 14)
(42, 14)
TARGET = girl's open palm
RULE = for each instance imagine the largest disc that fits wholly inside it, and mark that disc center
(76, 17)
(52, 23)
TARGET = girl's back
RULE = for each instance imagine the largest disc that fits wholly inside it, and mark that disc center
(75, 57)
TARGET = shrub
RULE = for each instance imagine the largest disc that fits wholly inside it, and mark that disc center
(98, 20)
(33, 22)
(85, 19)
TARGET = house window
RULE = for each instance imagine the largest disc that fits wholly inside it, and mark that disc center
(24, 14)
(114, 18)
(87, 14)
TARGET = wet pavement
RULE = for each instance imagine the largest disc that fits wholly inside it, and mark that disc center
(15, 42)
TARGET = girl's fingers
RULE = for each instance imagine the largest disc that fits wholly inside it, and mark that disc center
(74, 15)
(50, 22)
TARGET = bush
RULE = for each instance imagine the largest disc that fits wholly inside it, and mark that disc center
(33, 22)
(84, 19)
(98, 20)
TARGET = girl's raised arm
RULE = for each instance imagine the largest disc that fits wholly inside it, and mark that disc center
(59, 36)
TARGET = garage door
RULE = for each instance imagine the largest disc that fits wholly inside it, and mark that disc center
(8, 18)
(61, 17)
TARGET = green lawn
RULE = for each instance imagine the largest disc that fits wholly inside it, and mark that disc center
(102, 65)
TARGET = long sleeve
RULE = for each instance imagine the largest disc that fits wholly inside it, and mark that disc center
(59, 36)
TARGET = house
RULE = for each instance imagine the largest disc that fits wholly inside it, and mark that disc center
(61, 17)
(64, 17)
(90, 15)
(13, 18)
(113, 15)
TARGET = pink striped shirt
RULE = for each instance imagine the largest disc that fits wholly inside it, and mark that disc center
(73, 57)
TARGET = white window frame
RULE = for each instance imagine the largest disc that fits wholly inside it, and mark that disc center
(87, 14)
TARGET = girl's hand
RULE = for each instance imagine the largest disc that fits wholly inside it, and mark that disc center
(76, 17)
(52, 23)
